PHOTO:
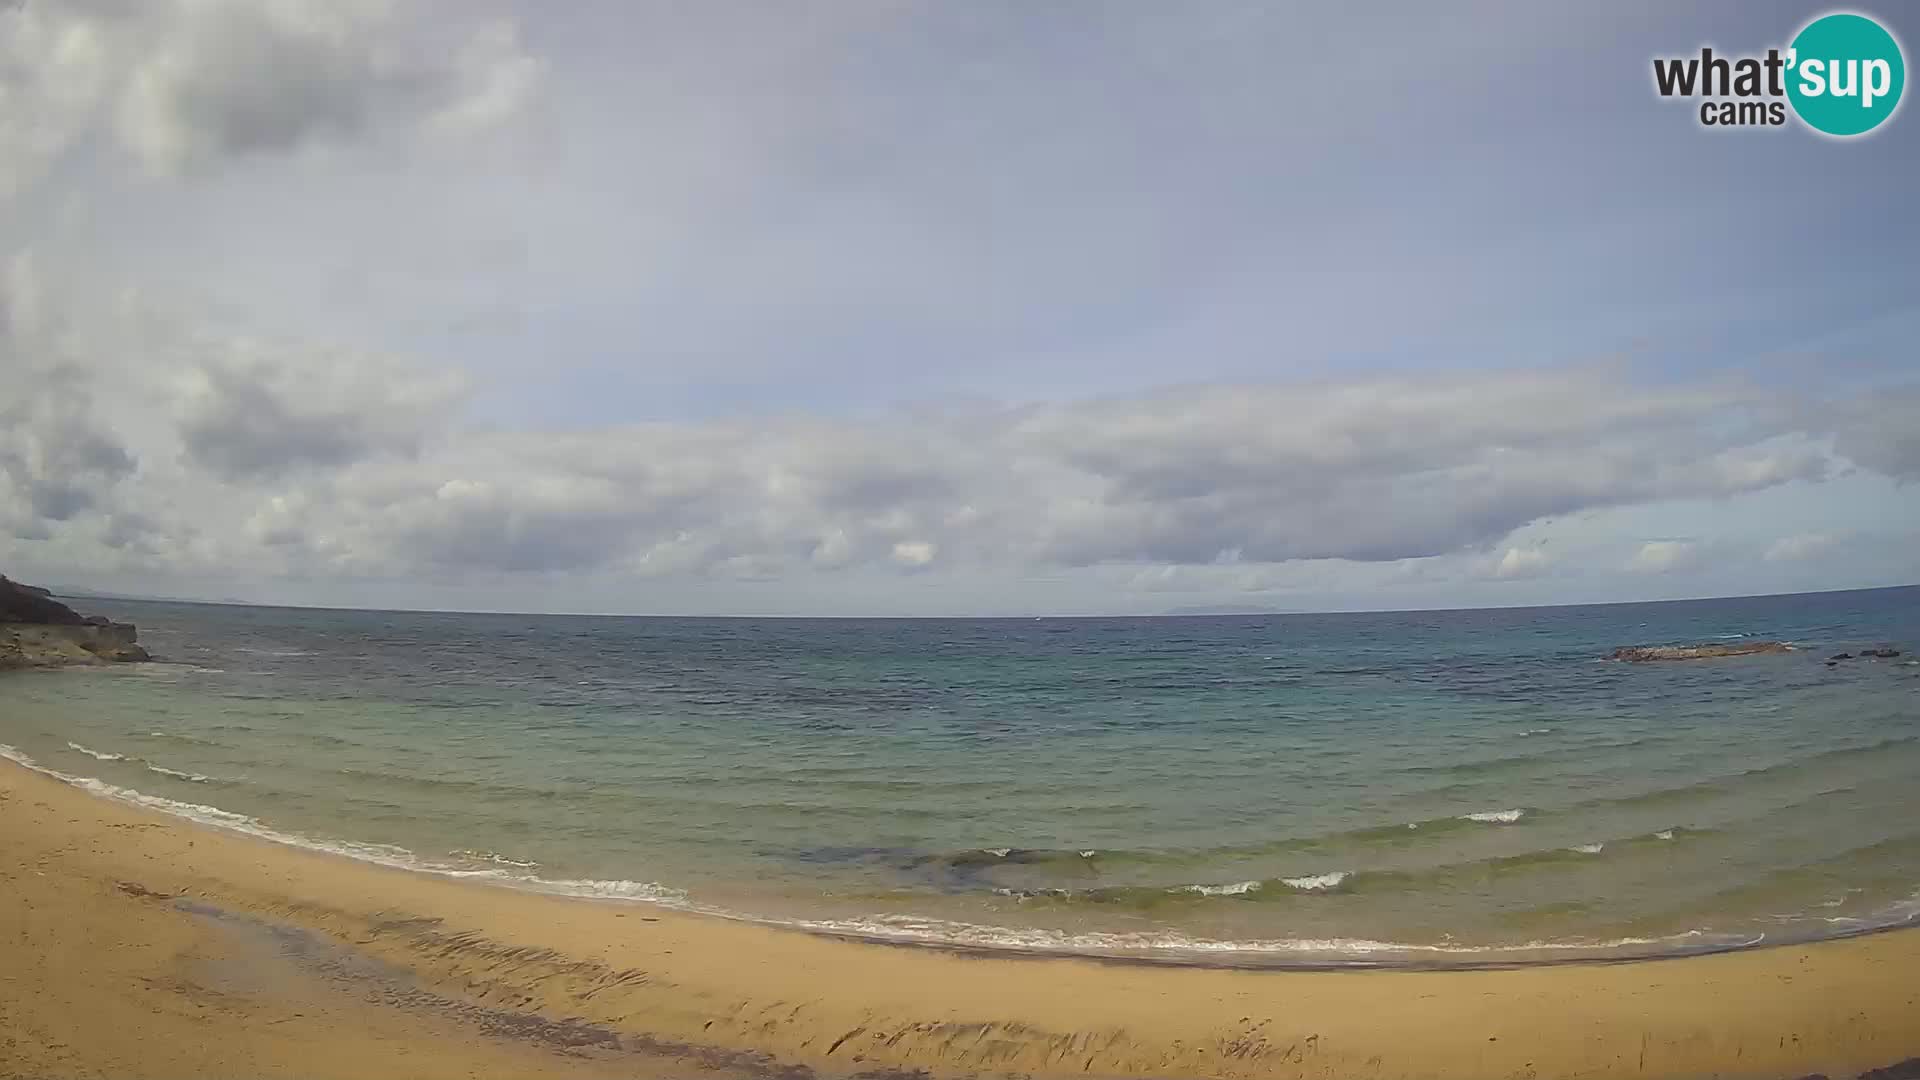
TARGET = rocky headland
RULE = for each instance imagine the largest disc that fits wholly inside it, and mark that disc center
(38, 631)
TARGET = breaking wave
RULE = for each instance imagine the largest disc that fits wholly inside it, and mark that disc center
(1162, 946)
(96, 754)
(101, 755)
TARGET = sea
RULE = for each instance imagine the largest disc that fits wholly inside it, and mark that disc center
(1444, 788)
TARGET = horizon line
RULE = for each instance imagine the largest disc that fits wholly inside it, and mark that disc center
(985, 618)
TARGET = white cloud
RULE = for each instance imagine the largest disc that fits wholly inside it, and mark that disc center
(1882, 433)
(1665, 556)
(1517, 563)
(914, 553)
(263, 459)
(1801, 546)
(254, 411)
(57, 458)
(181, 84)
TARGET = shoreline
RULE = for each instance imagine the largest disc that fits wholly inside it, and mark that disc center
(1200, 954)
(649, 985)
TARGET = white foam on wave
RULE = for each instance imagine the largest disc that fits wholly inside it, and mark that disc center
(999, 852)
(191, 777)
(178, 737)
(1663, 834)
(1588, 849)
(1537, 731)
(388, 855)
(647, 891)
(1495, 817)
(1238, 888)
(915, 929)
(1316, 882)
(99, 755)
(933, 931)
(494, 857)
(95, 754)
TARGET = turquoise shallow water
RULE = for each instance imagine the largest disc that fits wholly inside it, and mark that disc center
(1443, 787)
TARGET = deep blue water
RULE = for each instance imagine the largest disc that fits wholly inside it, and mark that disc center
(1432, 786)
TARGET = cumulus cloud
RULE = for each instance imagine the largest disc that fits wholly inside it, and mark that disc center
(57, 459)
(1386, 469)
(1882, 434)
(1801, 546)
(914, 553)
(1665, 556)
(258, 413)
(181, 84)
(270, 458)
(1517, 563)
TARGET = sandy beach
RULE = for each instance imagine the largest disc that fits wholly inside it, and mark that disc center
(135, 944)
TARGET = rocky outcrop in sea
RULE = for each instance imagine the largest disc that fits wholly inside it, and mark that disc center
(1642, 653)
(38, 631)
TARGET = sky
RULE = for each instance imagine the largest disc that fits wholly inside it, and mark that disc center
(898, 308)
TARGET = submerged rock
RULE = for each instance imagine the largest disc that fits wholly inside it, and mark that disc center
(38, 631)
(1642, 653)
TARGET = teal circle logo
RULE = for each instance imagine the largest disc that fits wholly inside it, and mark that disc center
(1845, 74)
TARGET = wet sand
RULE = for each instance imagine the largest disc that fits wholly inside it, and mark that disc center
(133, 944)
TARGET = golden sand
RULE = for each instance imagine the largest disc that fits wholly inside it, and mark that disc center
(133, 944)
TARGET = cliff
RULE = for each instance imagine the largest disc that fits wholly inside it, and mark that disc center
(38, 631)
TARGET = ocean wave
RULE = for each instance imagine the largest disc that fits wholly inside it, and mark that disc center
(178, 737)
(1740, 781)
(96, 754)
(1177, 947)
(1317, 882)
(1164, 945)
(1443, 878)
(1238, 888)
(1149, 895)
(494, 857)
(191, 777)
(389, 855)
(100, 755)
(969, 860)
(971, 866)
(645, 891)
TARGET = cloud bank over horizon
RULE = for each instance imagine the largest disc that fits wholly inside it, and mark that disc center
(190, 414)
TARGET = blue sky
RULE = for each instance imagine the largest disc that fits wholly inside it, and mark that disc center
(928, 308)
